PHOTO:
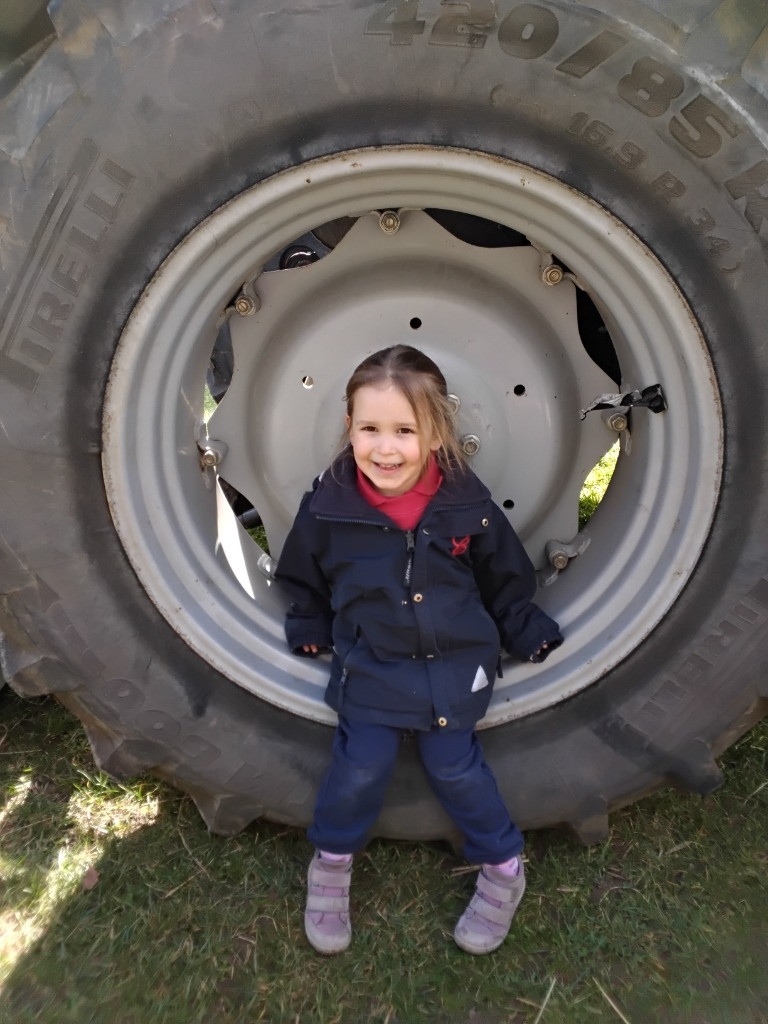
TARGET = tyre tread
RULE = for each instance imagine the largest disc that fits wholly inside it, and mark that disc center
(226, 815)
(590, 824)
(696, 769)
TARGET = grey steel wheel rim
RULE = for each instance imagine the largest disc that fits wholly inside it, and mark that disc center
(191, 556)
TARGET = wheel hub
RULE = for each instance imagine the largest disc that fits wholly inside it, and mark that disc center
(508, 345)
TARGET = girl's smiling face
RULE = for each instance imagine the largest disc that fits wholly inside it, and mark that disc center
(386, 442)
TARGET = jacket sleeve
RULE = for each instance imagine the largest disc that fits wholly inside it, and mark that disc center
(507, 583)
(299, 576)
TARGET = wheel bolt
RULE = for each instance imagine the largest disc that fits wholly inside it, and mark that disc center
(297, 256)
(616, 421)
(455, 403)
(552, 274)
(212, 454)
(389, 222)
(470, 444)
(558, 559)
(245, 305)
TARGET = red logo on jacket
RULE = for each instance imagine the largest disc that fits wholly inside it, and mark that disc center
(459, 546)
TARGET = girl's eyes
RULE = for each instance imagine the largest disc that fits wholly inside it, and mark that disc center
(401, 430)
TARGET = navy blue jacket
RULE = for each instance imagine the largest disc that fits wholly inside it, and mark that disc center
(415, 618)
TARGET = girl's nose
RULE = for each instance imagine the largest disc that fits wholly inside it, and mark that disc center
(386, 444)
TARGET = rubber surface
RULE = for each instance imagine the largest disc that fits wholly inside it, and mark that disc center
(135, 124)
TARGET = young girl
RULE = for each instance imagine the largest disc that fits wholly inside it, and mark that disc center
(400, 563)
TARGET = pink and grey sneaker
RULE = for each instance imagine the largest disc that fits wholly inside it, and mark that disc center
(326, 918)
(484, 924)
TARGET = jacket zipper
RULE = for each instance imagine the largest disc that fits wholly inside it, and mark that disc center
(410, 540)
(409, 546)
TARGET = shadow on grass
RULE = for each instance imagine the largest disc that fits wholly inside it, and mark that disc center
(666, 920)
(117, 904)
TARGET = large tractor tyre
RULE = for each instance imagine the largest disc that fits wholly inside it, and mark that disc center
(556, 202)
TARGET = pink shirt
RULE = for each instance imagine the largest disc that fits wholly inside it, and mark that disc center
(404, 509)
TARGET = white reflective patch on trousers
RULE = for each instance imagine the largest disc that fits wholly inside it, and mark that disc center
(481, 680)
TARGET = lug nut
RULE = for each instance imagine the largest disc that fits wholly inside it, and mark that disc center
(559, 553)
(297, 256)
(245, 305)
(616, 421)
(389, 221)
(470, 444)
(212, 454)
(558, 559)
(552, 274)
(455, 403)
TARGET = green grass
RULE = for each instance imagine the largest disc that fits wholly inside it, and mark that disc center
(596, 484)
(666, 918)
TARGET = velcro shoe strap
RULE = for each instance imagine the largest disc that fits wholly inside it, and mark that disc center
(330, 879)
(328, 904)
(499, 915)
(501, 893)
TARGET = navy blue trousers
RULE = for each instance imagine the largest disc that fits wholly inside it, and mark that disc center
(363, 760)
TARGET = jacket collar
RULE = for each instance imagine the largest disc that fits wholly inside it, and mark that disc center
(336, 495)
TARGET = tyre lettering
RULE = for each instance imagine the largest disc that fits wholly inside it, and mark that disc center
(528, 31)
(39, 354)
(702, 223)
(597, 133)
(721, 639)
(398, 20)
(666, 700)
(668, 186)
(467, 29)
(107, 207)
(54, 271)
(629, 155)
(718, 249)
(86, 243)
(49, 316)
(578, 122)
(650, 87)
(704, 140)
(69, 274)
(592, 54)
(14, 369)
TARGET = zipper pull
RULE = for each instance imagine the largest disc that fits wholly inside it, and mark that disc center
(409, 546)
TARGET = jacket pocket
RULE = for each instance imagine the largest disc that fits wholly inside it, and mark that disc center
(398, 685)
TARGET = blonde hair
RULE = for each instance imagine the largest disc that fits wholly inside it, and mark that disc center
(422, 383)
